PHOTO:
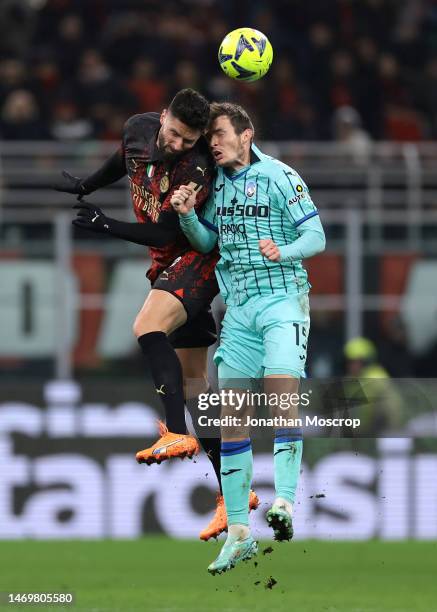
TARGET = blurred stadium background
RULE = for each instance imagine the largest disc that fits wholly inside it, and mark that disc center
(351, 103)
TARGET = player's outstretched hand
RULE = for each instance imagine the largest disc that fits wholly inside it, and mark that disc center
(183, 199)
(90, 217)
(269, 249)
(70, 184)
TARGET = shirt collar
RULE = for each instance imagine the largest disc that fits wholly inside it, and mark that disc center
(155, 153)
(255, 154)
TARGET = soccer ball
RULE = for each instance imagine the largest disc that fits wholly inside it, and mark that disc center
(245, 54)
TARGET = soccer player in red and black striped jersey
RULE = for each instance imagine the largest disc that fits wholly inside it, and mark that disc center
(159, 153)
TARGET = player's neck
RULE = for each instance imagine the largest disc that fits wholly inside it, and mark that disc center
(240, 163)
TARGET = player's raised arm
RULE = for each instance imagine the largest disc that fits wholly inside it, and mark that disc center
(202, 232)
(112, 170)
(293, 198)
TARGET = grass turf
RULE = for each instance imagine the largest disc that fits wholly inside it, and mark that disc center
(156, 573)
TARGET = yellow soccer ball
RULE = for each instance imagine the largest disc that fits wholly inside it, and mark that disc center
(245, 54)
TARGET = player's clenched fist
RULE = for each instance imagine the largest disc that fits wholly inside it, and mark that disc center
(269, 249)
(183, 199)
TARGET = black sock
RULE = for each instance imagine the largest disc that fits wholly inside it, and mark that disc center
(212, 444)
(167, 376)
(212, 447)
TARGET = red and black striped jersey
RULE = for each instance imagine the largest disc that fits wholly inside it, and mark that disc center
(153, 179)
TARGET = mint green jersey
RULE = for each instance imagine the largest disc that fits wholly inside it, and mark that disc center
(267, 199)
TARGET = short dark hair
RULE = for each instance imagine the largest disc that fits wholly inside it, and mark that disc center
(236, 113)
(190, 107)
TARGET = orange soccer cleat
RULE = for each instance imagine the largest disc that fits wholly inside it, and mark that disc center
(219, 522)
(169, 445)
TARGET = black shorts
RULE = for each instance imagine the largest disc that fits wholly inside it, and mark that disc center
(191, 278)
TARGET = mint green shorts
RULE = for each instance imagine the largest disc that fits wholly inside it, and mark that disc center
(266, 335)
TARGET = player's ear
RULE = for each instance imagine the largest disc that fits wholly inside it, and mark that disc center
(247, 136)
(163, 116)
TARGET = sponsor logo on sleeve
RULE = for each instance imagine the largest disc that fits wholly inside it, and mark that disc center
(296, 199)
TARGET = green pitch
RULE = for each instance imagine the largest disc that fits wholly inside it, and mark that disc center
(167, 575)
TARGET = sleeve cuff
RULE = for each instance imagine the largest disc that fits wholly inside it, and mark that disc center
(189, 216)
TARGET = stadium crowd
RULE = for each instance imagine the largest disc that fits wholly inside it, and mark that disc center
(72, 69)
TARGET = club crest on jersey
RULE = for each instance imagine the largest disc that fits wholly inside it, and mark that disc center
(250, 189)
(164, 184)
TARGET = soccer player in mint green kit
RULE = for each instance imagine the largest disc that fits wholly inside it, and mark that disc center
(262, 215)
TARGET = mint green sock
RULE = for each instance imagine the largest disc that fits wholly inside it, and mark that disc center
(236, 476)
(287, 458)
